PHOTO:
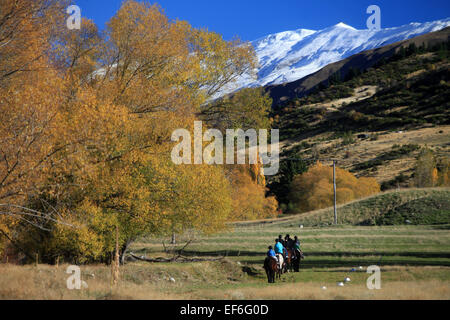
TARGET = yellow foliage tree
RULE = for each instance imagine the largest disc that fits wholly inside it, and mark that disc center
(249, 194)
(444, 172)
(85, 127)
(313, 189)
(424, 175)
(247, 109)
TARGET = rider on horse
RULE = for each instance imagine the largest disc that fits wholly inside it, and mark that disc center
(296, 243)
(279, 251)
(271, 253)
(289, 243)
(297, 247)
(281, 240)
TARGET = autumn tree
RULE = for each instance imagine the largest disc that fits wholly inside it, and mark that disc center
(313, 189)
(220, 63)
(31, 122)
(75, 54)
(280, 186)
(249, 199)
(174, 62)
(425, 174)
(431, 170)
(25, 30)
(86, 120)
(248, 108)
(443, 167)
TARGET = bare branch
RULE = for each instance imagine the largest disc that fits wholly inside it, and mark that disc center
(42, 216)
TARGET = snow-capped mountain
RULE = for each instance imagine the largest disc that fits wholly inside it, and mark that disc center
(291, 55)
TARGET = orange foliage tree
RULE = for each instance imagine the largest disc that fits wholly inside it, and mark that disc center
(85, 127)
(431, 171)
(313, 189)
(249, 201)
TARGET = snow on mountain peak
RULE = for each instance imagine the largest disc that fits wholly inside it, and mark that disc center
(291, 55)
(343, 25)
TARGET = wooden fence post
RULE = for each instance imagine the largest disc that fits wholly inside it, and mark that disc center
(116, 260)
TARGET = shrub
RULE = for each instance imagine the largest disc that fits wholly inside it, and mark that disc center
(314, 189)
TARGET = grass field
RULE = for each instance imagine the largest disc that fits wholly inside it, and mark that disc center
(420, 206)
(327, 247)
(414, 260)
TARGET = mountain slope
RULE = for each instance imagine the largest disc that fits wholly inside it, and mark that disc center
(374, 123)
(291, 55)
(360, 61)
(406, 206)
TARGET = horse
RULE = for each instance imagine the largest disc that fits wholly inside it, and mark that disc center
(281, 265)
(291, 257)
(298, 256)
(272, 269)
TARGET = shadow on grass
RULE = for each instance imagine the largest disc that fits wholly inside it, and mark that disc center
(429, 255)
(334, 259)
(222, 253)
(441, 227)
(237, 253)
(330, 263)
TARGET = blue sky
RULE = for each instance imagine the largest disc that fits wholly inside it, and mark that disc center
(251, 19)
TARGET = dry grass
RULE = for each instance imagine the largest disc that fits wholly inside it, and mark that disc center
(360, 93)
(49, 283)
(414, 261)
(398, 283)
(137, 281)
(402, 290)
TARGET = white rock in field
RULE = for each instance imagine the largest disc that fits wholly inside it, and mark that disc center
(347, 279)
(238, 263)
(340, 284)
(171, 279)
(324, 288)
(237, 295)
(360, 268)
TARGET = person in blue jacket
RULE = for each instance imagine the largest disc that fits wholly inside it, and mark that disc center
(271, 253)
(279, 251)
(279, 248)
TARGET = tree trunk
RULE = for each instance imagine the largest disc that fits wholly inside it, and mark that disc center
(124, 251)
(115, 275)
(29, 256)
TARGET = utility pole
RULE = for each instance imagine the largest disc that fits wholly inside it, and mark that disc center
(334, 188)
(334, 180)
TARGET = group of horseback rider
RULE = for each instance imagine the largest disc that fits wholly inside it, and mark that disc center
(285, 250)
